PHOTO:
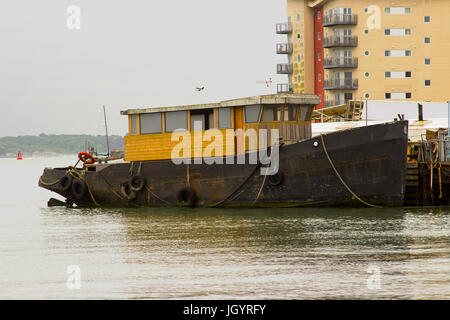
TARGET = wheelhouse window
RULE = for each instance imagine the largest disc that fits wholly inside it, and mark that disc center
(176, 120)
(150, 123)
(252, 113)
(305, 113)
(290, 113)
(134, 124)
(272, 113)
(224, 118)
(202, 119)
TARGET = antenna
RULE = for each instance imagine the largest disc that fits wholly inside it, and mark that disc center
(268, 82)
(106, 128)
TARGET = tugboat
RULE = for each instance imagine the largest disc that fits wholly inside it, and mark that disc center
(248, 152)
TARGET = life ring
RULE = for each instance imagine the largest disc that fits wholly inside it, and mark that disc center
(79, 188)
(126, 191)
(277, 178)
(87, 158)
(187, 197)
(136, 182)
(66, 182)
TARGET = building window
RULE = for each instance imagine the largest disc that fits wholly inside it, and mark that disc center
(366, 53)
(319, 77)
(366, 31)
(298, 16)
(298, 36)
(387, 53)
(367, 95)
(427, 83)
(318, 15)
(318, 36)
(298, 58)
(397, 10)
(299, 78)
(367, 74)
(397, 32)
(224, 118)
(408, 95)
(427, 19)
(407, 53)
(427, 40)
(427, 61)
(150, 123)
(397, 74)
(319, 56)
(387, 95)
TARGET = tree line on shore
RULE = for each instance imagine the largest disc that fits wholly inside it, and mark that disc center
(60, 144)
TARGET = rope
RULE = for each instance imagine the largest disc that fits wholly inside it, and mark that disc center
(440, 181)
(342, 180)
(49, 183)
(153, 194)
(262, 186)
(80, 176)
(235, 190)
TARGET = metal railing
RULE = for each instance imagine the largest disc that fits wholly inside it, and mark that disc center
(340, 19)
(284, 68)
(340, 42)
(341, 84)
(340, 63)
(284, 48)
(332, 103)
(284, 88)
(284, 28)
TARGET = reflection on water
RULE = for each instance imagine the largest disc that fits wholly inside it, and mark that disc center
(216, 253)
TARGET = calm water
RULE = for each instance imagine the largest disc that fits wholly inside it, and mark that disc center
(214, 253)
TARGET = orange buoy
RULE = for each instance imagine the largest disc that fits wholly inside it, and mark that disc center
(19, 156)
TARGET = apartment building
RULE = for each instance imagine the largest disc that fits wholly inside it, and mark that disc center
(347, 50)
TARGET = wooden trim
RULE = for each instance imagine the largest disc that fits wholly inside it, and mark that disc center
(130, 129)
(163, 122)
(138, 124)
(188, 120)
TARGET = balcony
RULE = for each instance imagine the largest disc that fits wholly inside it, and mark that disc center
(284, 68)
(284, 48)
(284, 88)
(284, 28)
(340, 63)
(341, 84)
(340, 19)
(340, 42)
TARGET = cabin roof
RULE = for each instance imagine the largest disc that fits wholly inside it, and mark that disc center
(308, 99)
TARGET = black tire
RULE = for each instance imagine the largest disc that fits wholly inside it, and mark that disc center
(79, 189)
(126, 191)
(277, 178)
(187, 197)
(66, 182)
(136, 182)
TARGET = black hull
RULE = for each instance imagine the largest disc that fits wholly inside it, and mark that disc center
(371, 160)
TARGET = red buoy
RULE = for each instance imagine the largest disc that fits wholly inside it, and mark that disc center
(19, 156)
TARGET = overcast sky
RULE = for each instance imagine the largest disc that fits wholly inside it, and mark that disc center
(133, 53)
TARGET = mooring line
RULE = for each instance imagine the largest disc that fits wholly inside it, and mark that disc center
(342, 180)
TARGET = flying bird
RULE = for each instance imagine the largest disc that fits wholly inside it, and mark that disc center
(200, 88)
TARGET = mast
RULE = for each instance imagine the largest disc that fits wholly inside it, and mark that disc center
(106, 128)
